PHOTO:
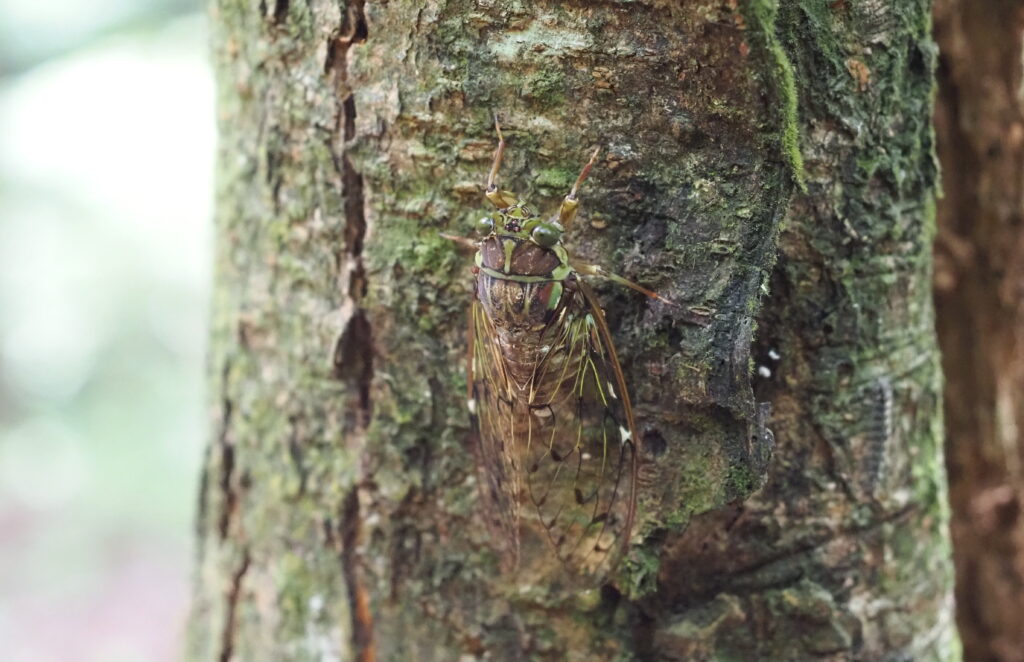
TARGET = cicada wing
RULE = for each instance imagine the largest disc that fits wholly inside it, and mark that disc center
(580, 459)
(491, 413)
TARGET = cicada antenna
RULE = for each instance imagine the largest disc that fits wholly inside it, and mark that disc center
(501, 199)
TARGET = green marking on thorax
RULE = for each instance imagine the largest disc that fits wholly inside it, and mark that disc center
(509, 245)
(559, 273)
(556, 296)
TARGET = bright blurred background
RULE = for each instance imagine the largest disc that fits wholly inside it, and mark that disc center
(106, 144)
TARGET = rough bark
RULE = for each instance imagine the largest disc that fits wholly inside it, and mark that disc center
(980, 269)
(844, 553)
(339, 514)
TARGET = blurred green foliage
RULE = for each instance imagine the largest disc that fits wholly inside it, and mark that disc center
(106, 146)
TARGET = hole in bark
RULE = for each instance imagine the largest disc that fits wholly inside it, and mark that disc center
(355, 21)
(654, 442)
(695, 139)
(353, 358)
(610, 596)
(280, 11)
(917, 61)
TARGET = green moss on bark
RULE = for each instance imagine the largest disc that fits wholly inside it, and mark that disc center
(763, 15)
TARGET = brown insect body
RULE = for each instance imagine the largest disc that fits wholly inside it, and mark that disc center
(556, 440)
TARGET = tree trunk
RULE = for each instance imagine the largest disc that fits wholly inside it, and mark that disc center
(339, 516)
(980, 118)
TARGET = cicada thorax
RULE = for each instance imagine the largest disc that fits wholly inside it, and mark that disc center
(520, 283)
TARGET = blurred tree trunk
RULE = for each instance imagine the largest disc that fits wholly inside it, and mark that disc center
(979, 282)
(339, 518)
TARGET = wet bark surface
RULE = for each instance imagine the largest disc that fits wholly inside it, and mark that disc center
(339, 515)
(979, 272)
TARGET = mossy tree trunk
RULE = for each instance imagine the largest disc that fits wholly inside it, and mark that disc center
(979, 276)
(339, 516)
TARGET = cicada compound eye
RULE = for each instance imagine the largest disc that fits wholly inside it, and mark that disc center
(546, 234)
(485, 225)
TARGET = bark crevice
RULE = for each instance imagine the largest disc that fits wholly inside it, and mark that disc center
(281, 11)
(231, 602)
(353, 356)
(359, 598)
(227, 459)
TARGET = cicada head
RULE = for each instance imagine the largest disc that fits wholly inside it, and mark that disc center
(517, 242)
(514, 228)
(517, 221)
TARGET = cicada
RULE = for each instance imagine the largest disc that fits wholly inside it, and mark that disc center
(555, 437)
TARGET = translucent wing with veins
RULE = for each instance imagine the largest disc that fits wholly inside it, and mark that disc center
(558, 449)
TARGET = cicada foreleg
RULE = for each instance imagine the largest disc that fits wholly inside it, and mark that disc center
(500, 199)
(597, 270)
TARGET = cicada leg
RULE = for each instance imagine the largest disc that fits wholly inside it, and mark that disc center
(569, 206)
(501, 199)
(597, 270)
(465, 243)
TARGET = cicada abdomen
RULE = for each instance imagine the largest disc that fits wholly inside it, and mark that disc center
(556, 440)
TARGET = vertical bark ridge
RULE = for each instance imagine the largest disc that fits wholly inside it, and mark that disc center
(287, 308)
